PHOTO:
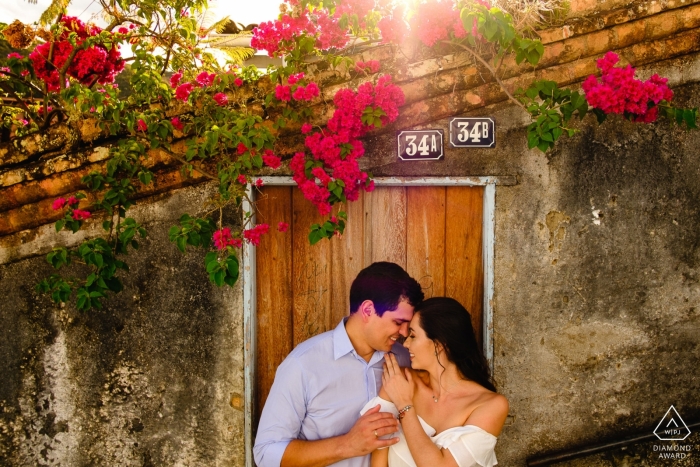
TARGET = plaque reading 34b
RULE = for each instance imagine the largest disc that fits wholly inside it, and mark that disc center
(479, 132)
(420, 145)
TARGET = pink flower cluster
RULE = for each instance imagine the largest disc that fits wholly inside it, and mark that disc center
(435, 20)
(98, 63)
(14, 55)
(270, 159)
(60, 203)
(79, 215)
(339, 147)
(71, 203)
(223, 238)
(183, 91)
(298, 92)
(253, 235)
(175, 79)
(221, 99)
(619, 92)
(177, 124)
(393, 28)
(278, 37)
(370, 66)
(205, 79)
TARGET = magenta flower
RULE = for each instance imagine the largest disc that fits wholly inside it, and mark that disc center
(271, 160)
(282, 226)
(58, 203)
(141, 125)
(205, 79)
(175, 79)
(183, 91)
(79, 215)
(177, 124)
(221, 99)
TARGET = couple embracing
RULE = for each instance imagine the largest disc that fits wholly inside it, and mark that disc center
(343, 397)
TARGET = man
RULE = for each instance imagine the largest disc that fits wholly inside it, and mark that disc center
(311, 417)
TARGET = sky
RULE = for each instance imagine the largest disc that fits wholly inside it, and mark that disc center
(245, 12)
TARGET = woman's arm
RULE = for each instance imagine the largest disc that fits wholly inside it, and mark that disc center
(380, 458)
(398, 384)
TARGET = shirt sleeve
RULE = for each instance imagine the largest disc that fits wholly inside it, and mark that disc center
(281, 418)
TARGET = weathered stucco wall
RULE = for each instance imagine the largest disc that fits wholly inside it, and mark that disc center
(597, 289)
(154, 379)
(596, 293)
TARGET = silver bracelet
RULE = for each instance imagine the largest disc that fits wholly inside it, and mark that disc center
(403, 411)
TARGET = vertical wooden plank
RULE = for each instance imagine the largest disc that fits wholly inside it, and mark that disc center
(463, 251)
(274, 290)
(347, 259)
(425, 238)
(311, 270)
(388, 225)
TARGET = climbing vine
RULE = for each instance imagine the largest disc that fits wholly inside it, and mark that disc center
(223, 121)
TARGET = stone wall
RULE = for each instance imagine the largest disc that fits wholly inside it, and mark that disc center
(597, 272)
(153, 379)
(597, 278)
(595, 311)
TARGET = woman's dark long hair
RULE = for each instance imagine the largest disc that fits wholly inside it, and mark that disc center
(447, 322)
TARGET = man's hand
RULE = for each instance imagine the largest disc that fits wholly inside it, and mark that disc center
(363, 437)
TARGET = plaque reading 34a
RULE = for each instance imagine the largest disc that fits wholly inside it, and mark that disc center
(420, 145)
(472, 132)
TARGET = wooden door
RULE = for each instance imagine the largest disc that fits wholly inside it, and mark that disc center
(435, 233)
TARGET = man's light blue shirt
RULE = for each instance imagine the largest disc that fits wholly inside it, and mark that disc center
(318, 392)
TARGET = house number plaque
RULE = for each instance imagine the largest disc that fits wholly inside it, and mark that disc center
(420, 145)
(472, 132)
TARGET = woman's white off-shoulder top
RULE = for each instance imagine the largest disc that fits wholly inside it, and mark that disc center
(469, 445)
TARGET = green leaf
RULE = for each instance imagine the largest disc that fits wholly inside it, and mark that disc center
(60, 224)
(532, 140)
(218, 277)
(181, 242)
(556, 133)
(690, 117)
(315, 236)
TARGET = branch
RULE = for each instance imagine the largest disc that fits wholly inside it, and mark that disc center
(186, 162)
(29, 84)
(64, 68)
(11, 91)
(493, 72)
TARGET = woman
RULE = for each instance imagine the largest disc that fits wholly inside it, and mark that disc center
(449, 410)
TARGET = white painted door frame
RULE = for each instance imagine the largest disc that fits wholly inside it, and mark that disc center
(249, 276)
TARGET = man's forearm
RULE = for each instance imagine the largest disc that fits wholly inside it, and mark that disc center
(319, 453)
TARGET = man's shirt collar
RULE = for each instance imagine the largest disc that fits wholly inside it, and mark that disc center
(341, 341)
(342, 345)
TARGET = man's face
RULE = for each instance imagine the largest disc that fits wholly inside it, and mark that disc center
(383, 331)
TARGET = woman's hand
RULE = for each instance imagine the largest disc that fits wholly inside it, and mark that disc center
(397, 383)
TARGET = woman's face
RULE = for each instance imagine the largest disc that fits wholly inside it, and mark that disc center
(420, 348)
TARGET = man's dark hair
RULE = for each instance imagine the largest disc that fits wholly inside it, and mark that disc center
(386, 284)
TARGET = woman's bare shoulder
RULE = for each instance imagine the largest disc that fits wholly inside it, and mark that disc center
(490, 413)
